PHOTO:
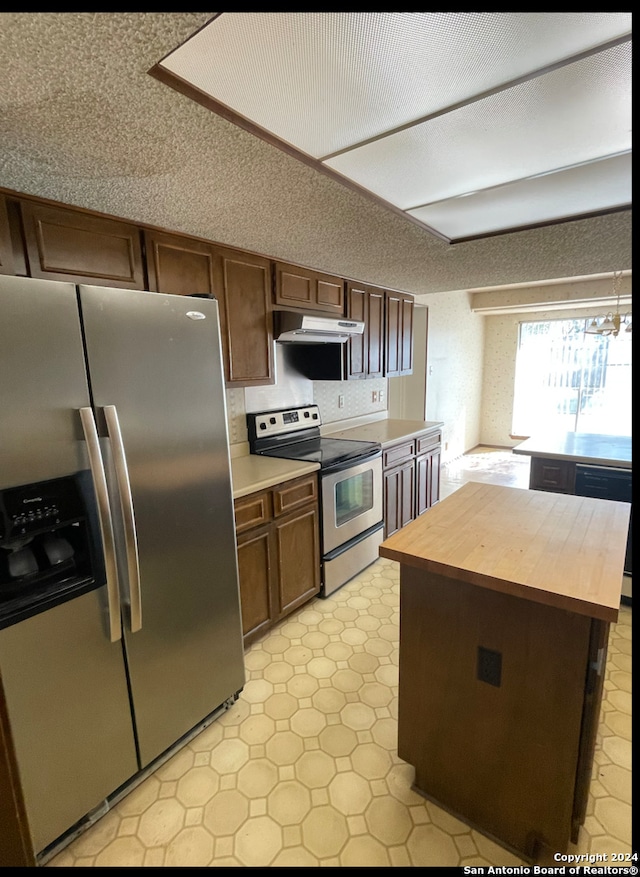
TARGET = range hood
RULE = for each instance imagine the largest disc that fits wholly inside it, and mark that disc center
(297, 328)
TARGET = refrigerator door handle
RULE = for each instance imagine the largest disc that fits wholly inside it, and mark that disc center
(104, 516)
(128, 516)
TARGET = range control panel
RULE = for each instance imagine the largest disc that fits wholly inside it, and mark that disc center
(283, 421)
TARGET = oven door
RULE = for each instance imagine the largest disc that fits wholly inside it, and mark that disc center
(351, 501)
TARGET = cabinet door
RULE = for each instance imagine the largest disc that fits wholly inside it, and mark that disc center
(298, 559)
(427, 480)
(375, 333)
(256, 570)
(293, 286)
(356, 347)
(67, 244)
(365, 352)
(304, 288)
(423, 483)
(558, 476)
(330, 293)
(17, 846)
(434, 488)
(398, 334)
(6, 248)
(248, 318)
(399, 497)
(180, 265)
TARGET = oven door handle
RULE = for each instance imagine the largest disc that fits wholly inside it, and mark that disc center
(353, 461)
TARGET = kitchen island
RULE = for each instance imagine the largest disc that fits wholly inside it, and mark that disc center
(506, 597)
(587, 464)
(575, 447)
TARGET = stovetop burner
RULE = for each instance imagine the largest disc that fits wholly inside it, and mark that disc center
(294, 434)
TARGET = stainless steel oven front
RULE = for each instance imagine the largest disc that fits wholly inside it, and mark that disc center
(352, 519)
(350, 473)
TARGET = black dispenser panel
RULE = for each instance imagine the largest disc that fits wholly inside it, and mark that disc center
(48, 549)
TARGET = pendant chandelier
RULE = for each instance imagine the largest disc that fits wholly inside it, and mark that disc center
(611, 323)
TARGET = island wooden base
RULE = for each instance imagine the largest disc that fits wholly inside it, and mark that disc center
(513, 759)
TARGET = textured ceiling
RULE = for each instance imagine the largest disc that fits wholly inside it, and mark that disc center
(81, 121)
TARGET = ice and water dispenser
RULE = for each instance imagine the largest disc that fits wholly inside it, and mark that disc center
(47, 547)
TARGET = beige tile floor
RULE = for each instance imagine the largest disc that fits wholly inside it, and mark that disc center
(303, 770)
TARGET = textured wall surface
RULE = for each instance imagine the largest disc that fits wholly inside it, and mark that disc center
(454, 364)
(499, 370)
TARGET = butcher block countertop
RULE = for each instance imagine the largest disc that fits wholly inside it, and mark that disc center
(253, 472)
(387, 431)
(560, 550)
(580, 447)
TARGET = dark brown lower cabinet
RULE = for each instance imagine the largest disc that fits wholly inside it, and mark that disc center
(411, 476)
(558, 476)
(16, 848)
(516, 757)
(255, 571)
(278, 537)
(399, 496)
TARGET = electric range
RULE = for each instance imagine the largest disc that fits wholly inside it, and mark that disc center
(350, 482)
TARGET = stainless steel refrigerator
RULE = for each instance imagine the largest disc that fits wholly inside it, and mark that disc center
(114, 458)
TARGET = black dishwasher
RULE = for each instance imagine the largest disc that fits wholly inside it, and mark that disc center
(606, 482)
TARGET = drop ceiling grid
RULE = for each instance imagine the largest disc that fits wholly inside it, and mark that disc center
(567, 116)
(596, 185)
(325, 81)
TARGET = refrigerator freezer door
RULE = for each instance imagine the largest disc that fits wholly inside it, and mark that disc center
(156, 358)
(63, 678)
(42, 381)
(68, 707)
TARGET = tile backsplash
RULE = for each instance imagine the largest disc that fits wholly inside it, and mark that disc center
(357, 398)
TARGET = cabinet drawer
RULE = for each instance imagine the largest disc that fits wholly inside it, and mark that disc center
(397, 453)
(252, 510)
(293, 494)
(427, 442)
(554, 475)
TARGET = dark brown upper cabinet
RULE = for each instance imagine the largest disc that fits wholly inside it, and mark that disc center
(305, 289)
(6, 248)
(180, 265)
(248, 320)
(398, 348)
(365, 352)
(241, 283)
(67, 244)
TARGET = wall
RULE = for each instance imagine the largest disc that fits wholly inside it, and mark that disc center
(501, 343)
(291, 389)
(501, 339)
(407, 395)
(454, 370)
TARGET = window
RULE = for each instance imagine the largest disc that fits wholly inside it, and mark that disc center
(568, 381)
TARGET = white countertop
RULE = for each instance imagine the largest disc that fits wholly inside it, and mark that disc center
(253, 472)
(580, 447)
(387, 431)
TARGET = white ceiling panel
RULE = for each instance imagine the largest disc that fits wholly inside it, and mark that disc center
(596, 185)
(420, 108)
(572, 115)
